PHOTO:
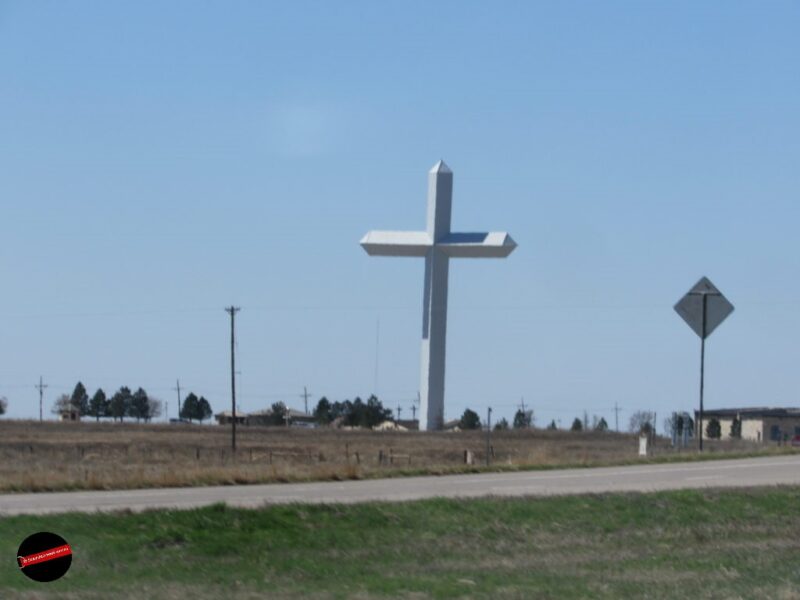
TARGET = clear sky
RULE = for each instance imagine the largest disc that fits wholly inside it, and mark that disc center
(161, 160)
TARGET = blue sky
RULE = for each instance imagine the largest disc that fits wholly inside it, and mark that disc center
(159, 161)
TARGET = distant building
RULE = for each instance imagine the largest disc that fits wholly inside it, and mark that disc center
(296, 418)
(452, 425)
(389, 426)
(69, 415)
(759, 424)
(409, 424)
(226, 418)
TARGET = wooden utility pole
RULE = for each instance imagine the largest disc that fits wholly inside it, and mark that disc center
(305, 398)
(177, 388)
(616, 416)
(488, 434)
(232, 310)
(41, 387)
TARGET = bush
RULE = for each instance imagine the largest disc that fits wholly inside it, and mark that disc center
(470, 420)
(713, 430)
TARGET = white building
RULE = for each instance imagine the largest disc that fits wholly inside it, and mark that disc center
(760, 424)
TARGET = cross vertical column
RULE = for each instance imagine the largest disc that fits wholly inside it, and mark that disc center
(437, 244)
(434, 309)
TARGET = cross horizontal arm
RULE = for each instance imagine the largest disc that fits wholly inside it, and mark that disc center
(396, 243)
(496, 244)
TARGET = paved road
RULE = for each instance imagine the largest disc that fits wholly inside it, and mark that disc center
(783, 470)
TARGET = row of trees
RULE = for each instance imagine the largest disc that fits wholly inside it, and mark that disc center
(523, 419)
(352, 414)
(126, 403)
(195, 409)
(714, 429)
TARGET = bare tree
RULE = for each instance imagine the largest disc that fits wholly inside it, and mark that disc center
(154, 408)
(642, 421)
(62, 404)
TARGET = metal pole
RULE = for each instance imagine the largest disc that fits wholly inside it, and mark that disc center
(702, 367)
(232, 312)
(488, 433)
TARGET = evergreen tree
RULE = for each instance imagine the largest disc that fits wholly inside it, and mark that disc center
(713, 429)
(3, 405)
(98, 405)
(470, 420)
(203, 409)
(80, 399)
(602, 425)
(277, 415)
(140, 405)
(501, 425)
(523, 419)
(120, 406)
(577, 425)
(552, 426)
(189, 410)
(736, 428)
(322, 413)
(375, 413)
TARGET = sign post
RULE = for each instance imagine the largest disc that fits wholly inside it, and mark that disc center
(703, 308)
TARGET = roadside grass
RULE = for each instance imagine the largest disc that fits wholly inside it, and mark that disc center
(682, 544)
(40, 457)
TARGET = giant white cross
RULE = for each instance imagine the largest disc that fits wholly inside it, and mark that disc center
(438, 245)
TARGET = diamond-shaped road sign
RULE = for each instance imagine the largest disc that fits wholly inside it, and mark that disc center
(704, 297)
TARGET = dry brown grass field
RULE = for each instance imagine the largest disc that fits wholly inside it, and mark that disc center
(56, 456)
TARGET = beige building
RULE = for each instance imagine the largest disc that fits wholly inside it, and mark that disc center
(759, 424)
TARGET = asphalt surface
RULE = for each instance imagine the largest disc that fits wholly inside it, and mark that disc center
(779, 470)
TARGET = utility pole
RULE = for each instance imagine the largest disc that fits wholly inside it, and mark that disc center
(305, 397)
(413, 412)
(616, 416)
(488, 434)
(177, 388)
(399, 410)
(232, 310)
(41, 387)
